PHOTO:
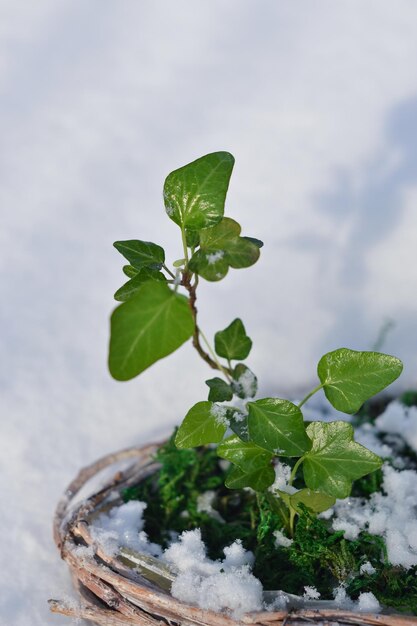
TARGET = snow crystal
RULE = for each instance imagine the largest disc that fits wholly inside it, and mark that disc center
(368, 603)
(205, 505)
(247, 383)
(219, 412)
(214, 256)
(367, 568)
(311, 593)
(216, 585)
(281, 540)
(390, 514)
(399, 419)
(282, 477)
(123, 526)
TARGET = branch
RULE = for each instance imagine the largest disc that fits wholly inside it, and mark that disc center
(192, 292)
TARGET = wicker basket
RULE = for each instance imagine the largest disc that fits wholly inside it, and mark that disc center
(113, 594)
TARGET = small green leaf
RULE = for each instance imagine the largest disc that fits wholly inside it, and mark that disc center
(141, 253)
(179, 263)
(221, 247)
(195, 194)
(131, 287)
(277, 425)
(219, 236)
(130, 271)
(212, 266)
(349, 377)
(245, 383)
(200, 426)
(335, 459)
(259, 480)
(242, 253)
(152, 324)
(220, 391)
(246, 455)
(316, 501)
(232, 343)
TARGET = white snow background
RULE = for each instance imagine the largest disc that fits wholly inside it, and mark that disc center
(100, 100)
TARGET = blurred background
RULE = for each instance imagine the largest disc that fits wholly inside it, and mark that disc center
(100, 100)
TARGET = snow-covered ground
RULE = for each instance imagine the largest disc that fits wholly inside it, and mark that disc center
(99, 101)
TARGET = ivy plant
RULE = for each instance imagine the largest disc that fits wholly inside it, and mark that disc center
(158, 314)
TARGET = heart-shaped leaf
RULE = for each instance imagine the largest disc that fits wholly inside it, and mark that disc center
(152, 324)
(232, 343)
(349, 377)
(316, 501)
(131, 287)
(203, 424)
(220, 391)
(259, 480)
(222, 247)
(335, 459)
(277, 425)
(246, 455)
(195, 194)
(141, 254)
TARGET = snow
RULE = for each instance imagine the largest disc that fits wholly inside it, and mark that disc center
(282, 540)
(217, 585)
(100, 100)
(311, 593)
(367, 603)
(205, 505)
(123, 526)
(219, 412)
(390, 514)
(214, 257)
(367, 568)
(398, 419)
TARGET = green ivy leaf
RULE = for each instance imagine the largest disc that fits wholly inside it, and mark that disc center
(277, 425)
(220, 247)
(211, 266)
(152, 324)
(131, 287)
(141, 254)
(259, 480)
(203, 424)
(245, 383)
(349, 377)
(130, 271)
(246, 455)
(220, 391)
(335, 459)
(232, 343)
(316, 501)
(195, 194)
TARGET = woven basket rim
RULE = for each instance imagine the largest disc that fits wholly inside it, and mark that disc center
(113, 596)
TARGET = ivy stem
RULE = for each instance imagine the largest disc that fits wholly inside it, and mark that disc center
(308, 396)
(214, 357)
(294, 470)
(209, 357)
(168, 271)
(184, 245)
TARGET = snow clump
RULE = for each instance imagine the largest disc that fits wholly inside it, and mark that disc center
(215, 585)
(399, 419)
(219, 413)
(123, 526)
(214, 257)
(390, 514)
